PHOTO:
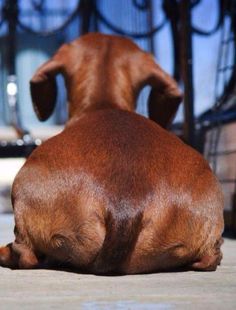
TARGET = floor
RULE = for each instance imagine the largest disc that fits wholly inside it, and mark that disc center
(46, 289)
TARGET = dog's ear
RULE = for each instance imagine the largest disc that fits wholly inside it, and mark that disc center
(43, 88)
(165, 96)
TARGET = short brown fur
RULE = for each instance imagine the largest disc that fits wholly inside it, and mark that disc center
(114, 192)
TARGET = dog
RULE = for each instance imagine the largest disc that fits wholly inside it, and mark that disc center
(114, 192)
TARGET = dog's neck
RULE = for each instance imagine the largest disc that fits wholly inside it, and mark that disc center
(85, 98)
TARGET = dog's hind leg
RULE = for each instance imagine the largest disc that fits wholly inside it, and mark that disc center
(16, 255)
(209, 262)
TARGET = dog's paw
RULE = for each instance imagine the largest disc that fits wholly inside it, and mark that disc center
(6, 259)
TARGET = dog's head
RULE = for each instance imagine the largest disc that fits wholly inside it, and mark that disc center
(101, 70)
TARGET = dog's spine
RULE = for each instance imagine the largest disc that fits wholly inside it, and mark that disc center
(122, 231)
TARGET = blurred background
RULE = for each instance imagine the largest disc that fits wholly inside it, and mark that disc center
(194, 41)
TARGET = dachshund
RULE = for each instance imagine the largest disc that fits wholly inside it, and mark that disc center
(114, 192)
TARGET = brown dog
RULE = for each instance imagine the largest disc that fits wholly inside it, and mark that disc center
(114, 192)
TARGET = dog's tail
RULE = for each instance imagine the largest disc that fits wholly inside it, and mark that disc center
(122, 230)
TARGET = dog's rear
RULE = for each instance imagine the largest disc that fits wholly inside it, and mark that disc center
(114, 192)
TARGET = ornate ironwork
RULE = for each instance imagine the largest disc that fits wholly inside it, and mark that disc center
(197, 30)
(141, 5)
(54, 31)
(135, 35)
(11, 10)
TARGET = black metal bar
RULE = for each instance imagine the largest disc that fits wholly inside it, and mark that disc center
(13, 150)
(45, 13)
(187, 70)
(226, 68)
(229, 40)
(233, 218)
(10, 11)
(171, 10)
(222, 153)
(227, 180)
(151, 26)
(86, 13)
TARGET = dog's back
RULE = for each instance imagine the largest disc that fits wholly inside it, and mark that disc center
(103, 72)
